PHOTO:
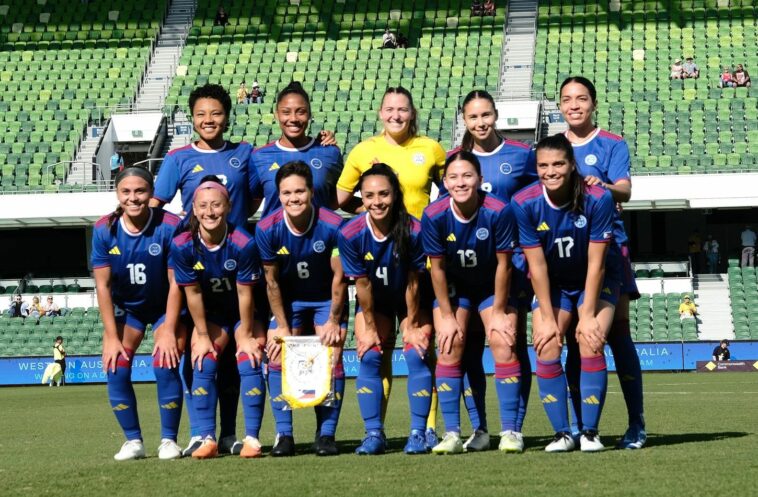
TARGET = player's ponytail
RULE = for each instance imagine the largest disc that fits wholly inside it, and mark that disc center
(140, 172)
(400, 220)
(468, 139)
(576, 181)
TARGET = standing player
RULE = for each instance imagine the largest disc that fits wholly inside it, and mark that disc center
(306, 287)
(418, 161)
(382, 251)
(507, 166)
(293, 112)
(217, 263)
(603, 159)
(469, 237)
(130, 250)
(182, 170)
(565, 230)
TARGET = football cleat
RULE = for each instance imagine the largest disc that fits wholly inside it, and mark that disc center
(431, 438)
(208, 449)
(590, 441)
(169, 449)
(478, 441)
(132, 449)
(511, 442)
(373, 444)
(230, 445)
(450, 444)
(416, 443)
(284, 446)
(251, 448)
(192, 446)
(562, 442)
(634, 438)
(326, 446)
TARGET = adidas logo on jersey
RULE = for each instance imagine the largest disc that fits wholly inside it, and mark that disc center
(543, 227)
(283, 251)
(197, 168)
(368, 257)
(198, 266)
(274, 167)
(451, 237)
(114, 251)
(607, 290)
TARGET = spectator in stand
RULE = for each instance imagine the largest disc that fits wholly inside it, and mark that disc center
(690, 69)
(35, 310)
(477, 8)
(222, 18)
(51, 308)
(256, 95)
(711, 251)
(59, 356)
(741, 77)
(18, 308)
(727, 79)
(721, 353)
(402, 41)
(748, 238)
(242, 94)
(388, 39)
(489, 8)
(687, 309)
(117, 163)
(677, 71)
(694, 243)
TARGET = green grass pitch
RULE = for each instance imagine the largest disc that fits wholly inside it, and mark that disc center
(60, 441)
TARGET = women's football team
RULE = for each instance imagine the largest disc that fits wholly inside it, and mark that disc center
(513, 230)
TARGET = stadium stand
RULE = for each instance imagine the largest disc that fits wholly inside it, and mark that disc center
(333, 48)
(65, 64)
(672, 126)
(743, 293)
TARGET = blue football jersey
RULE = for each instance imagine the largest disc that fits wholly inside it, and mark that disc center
(363, 254)
(139, 262)
(605, 156)
(325, 163)
(470, 246)
(304, 259)
(505, 170)
(564, 235)
(184, 167)
(218, 270)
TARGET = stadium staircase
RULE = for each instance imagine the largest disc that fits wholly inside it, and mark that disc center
(165, 59)
(81, 169)
(518, 49)
(714, 308)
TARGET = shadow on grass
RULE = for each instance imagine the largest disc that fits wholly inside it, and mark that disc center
(662, 439)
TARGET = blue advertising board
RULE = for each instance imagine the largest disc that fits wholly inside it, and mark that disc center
(669, 356)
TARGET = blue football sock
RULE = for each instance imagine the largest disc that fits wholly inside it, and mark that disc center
(279, 408)
(205, 396)
(122, 398)
(628, 370)
(369, 389)
(185, 366)
(449, 386)
(419, 388)
(330, 415)
(508, 386)
(552, 385)
(573, 370)
(228, 388)
(593, 385)
(522, 352)
(169, 385)
(253, 392)
(475, 381)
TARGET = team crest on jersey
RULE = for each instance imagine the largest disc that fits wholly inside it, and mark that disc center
(418, 158)
(154, 249)
(319, 246)
(506, 168)
(580, 221)
(482, 233)
(230, 264)
(234, 162)
(590, 160)
(316, 163)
